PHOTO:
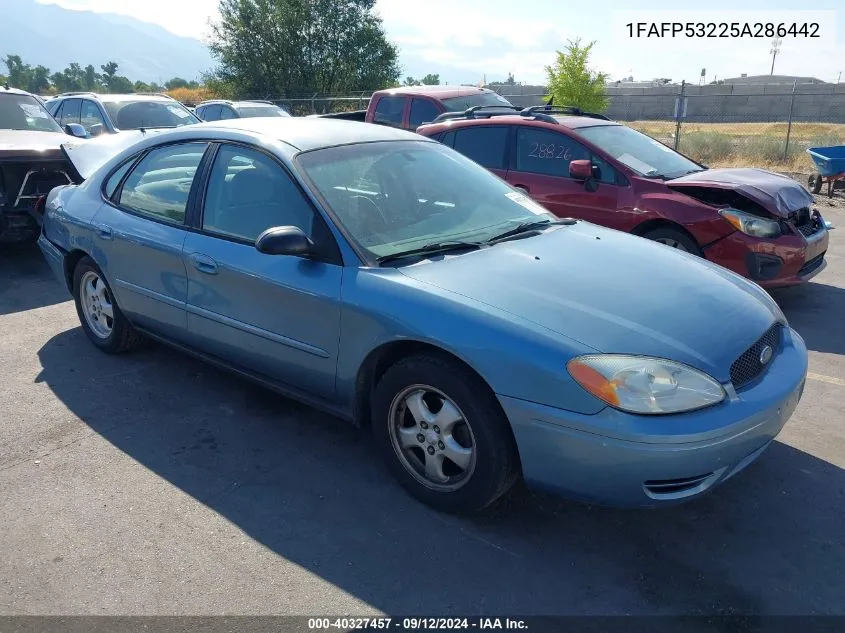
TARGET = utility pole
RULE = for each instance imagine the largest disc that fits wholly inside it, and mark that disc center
(774, 52)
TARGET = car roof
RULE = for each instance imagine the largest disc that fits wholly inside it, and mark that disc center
(14, 91)
(571, 122)
(439, 92)
(301, 133)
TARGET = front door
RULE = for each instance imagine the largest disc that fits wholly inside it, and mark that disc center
(485, 144)
(541, 168)
(277, 315)
(139, 233)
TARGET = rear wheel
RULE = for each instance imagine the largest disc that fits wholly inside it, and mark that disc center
(101, 318)
(443, 434)
(675, 239)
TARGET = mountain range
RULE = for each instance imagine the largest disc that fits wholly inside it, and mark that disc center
(52, 36)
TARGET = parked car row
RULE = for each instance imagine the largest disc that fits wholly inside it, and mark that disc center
(385, 277)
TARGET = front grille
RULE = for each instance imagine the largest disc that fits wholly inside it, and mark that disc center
(812, 265)
(805, 222)
(748, 366)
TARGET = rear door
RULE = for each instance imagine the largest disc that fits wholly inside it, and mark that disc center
(540, 166)
(485, 144)
(277, 315)
(139, 233)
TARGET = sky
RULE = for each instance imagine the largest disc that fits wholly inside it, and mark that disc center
(467, 41)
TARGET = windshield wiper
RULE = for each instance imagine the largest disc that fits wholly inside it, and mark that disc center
(432, 248)
(528, 226)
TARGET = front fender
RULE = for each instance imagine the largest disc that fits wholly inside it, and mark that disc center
(516, 358)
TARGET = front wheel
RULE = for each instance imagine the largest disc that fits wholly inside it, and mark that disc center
(674, 238)
(101, 318)
(443, 434)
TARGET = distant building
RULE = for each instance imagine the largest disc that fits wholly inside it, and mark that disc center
(769, 79)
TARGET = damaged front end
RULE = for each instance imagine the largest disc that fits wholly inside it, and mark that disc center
(781, 238)
(24, 185)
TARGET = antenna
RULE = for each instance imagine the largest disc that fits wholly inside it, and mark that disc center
(774, 52)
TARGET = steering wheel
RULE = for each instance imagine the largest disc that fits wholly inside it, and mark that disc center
(366, 220)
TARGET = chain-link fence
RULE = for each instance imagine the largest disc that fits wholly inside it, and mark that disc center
(762, 126)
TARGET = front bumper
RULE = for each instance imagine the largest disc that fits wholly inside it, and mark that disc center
(784, 261)
(648, 461)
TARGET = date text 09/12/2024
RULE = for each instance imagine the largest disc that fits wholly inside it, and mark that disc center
(416, 624)
(722, 29)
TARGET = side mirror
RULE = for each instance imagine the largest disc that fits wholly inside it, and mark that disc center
(581, 169)
(75, 129)
(96, 129)
(284, 240)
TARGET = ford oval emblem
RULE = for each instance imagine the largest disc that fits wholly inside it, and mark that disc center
(766, 354)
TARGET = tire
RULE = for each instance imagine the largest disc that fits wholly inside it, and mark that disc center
(674, 238)
(112, 334)
(482, 429)
(814, 183)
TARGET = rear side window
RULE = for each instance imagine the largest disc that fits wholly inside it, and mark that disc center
(540, 151)
(389, 111)
(114, 180)
(90, 115)
(422, 111)
(485, 144)
(227, 113)
(160, 184)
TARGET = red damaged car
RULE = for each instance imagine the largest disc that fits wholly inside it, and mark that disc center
(757, 223)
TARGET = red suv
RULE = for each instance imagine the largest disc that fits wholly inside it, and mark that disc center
(754, 222)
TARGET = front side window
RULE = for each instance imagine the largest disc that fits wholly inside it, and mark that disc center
(249, 192)
(134, 115)
(396, 196)
(643, 154)
(422, 111)
(485, 144)
(540, 151)
(70, 111)
(227, 113)
(160, 184)
(389, 111)
(90, 115)
(22, 112)
(211, 113)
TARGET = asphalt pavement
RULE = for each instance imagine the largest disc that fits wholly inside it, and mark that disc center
(152, 484)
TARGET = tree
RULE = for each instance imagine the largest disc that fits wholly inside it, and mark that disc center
(92, 78)
(176, 82)
(410, 81)
(572, 82)
(140, 86)
(121, 85)
(109, 71)
(287, 47)
(430, 80)
(39, 81)
(20, 74)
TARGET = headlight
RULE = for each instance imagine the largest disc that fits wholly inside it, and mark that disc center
(639, 384)
(751, 224)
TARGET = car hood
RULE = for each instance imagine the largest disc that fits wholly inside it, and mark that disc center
(28, 143)
(614, 293)
(778, 194)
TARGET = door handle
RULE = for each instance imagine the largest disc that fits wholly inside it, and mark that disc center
(104, 231)
(204, 263)
(522, 188)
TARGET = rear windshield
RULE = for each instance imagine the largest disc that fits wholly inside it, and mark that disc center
(133, 115)
(22, 112)
(457, 104)
(263, 110)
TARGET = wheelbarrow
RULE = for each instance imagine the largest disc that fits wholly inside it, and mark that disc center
(830, 163)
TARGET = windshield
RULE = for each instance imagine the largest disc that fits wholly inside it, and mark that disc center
(133, 115)
(396, 196)
(263, 110)
(457, 104)
(22, 112)
(639, 152)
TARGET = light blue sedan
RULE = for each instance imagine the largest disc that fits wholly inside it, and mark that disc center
(387, 279)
